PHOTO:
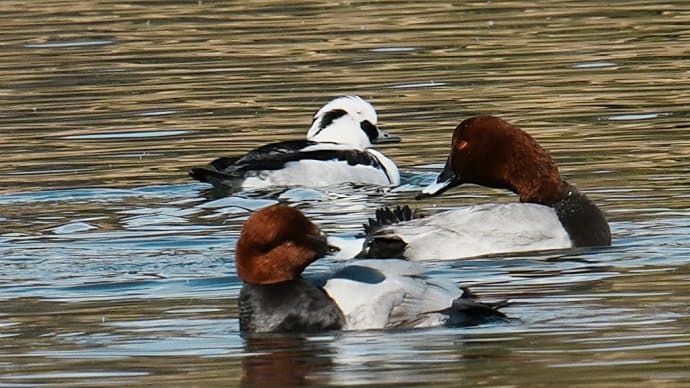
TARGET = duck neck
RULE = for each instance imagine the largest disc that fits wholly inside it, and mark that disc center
(547, 191)
(582, 219)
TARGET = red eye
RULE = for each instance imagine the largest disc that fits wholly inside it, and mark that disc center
(460, 145)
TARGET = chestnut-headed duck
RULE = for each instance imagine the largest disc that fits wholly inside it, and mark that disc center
(337, 150)
(276, 245)
(488, 151)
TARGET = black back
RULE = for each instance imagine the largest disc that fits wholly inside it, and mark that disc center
(274, 156)
(267, 157)
(290, 306)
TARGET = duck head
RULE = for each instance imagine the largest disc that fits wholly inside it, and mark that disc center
(348, 120)
(488, 151)
(276, 244)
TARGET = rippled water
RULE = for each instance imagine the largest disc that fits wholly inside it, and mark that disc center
(116, 268)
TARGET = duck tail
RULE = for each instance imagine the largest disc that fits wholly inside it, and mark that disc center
(468, 311)
(203, 174)
(388, 216)
(221, 164)
(216, 178)
(220, 173)
(378, 243)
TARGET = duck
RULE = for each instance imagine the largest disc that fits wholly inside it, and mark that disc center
(279, 242)
(488, 151)
(337, 149)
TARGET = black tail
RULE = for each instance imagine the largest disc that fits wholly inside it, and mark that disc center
(218, 173)
(468, 311)
(386, 216)
(221, 164)
(209, 175)
(200, 174)
(377, 243)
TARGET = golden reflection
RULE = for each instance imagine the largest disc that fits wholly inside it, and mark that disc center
(284, 361)
(237, 75)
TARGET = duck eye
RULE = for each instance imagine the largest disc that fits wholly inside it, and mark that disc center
(370, 129)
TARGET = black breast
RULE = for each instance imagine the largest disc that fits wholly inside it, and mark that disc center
(582, 219)
(291, 306)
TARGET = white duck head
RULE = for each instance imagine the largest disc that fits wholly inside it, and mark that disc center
(348, 120)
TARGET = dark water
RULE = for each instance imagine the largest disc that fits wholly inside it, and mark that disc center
(117, 269)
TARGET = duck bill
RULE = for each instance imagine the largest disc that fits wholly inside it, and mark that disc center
(321, 245)
(385, 138)
(446, 179)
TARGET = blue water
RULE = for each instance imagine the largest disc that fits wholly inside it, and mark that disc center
(149, 272)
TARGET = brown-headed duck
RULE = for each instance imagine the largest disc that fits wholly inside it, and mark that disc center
(277, 243)
(488, 151)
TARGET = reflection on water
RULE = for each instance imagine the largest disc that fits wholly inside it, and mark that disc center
(117, 268)
(285, 361)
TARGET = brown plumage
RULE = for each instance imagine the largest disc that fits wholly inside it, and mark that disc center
(276, 244)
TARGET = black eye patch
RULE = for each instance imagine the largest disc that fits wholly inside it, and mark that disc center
(330, 116)
(370, 129)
